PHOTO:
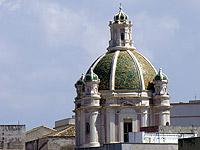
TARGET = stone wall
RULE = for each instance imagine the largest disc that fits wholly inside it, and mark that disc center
(172, 129)
(59, 143)
(12, 137)
(149, 147)
(51, 143)
(128, 146)
(180, 129)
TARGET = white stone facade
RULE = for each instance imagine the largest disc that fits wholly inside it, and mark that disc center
(142, 137)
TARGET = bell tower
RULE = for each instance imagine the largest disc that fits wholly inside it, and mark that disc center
(120, 32)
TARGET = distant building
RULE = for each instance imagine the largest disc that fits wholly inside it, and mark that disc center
(57, 140)
(185, 113)
(12, 137)
(62, 137)
(62, 124)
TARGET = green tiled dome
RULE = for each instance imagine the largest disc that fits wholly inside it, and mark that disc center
(124, 70)
(127, 75)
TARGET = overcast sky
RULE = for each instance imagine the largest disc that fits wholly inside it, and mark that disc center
(45, 45)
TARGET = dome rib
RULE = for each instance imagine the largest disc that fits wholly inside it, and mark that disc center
(113, 70)
(139, 68)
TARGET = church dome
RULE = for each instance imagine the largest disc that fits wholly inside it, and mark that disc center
(124, 70)
(122, 67)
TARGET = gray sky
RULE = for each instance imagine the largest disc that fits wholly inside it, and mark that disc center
(45, 45)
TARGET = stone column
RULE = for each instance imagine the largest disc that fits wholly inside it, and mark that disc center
(77, 125)
(111, 122)
(82, 128)
(144, 117)
(94, 142)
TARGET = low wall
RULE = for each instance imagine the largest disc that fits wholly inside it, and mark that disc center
(129, 146)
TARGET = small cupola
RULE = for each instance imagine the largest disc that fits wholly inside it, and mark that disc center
(80, 86)
(160, 83)
(160, 76)
(80, 81)
(91, 76)
(91, 83)
(121, 32)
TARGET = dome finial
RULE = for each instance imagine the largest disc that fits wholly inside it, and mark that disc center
(82, 76)
(120, 7)
(161, 75)
(160, 71)
(91, 71)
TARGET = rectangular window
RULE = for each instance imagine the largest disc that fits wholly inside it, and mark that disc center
(127, 129)
(122, 36)
(122, 32)
(87, 128)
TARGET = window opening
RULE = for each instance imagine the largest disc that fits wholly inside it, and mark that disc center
(127, 129)
(87, 128)
(122, 36)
